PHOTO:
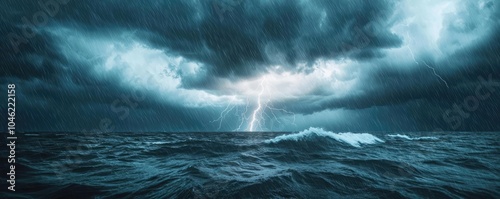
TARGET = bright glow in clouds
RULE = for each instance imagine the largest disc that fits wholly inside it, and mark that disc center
(141, 67)
(439, 28)
(420, 29)
(327, 78)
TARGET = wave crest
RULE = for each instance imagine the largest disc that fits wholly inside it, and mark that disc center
(410, 138)
(354, 139)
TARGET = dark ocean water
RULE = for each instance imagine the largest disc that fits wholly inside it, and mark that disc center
(310, 164)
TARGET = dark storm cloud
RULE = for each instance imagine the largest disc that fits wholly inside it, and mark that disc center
(57, 94)
(238, 44)
(238, 40)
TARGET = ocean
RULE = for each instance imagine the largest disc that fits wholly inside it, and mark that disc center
(313, 163)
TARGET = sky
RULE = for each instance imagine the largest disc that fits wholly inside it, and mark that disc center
(260, 65)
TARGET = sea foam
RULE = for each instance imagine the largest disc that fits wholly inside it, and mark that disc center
(354, 139)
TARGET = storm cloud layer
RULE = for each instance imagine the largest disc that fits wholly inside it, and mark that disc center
(234, 64)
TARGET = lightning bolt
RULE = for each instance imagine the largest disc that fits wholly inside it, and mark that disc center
(259, 106)
(435, 74)
(415, 60)
(223, 114)
(243, 117)
(280, 109)
(258, 116)
(260, 110)
(283, 110)
(411, 51)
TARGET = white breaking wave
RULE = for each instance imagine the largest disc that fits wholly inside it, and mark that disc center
(410, 138)
(354, 139)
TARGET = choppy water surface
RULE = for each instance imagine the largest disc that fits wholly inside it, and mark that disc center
(311, 163)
